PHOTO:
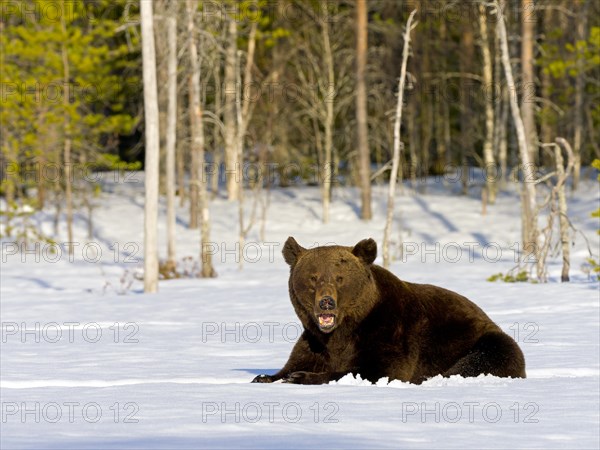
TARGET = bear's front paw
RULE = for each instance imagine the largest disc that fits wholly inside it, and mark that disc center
(306, 378)
(263, 379)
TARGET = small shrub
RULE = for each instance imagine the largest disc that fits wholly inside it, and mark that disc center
(521, 277)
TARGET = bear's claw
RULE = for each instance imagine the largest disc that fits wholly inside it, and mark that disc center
(302, 377)
(263, 379)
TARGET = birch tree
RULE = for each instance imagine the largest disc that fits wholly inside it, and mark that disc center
(528, 23)
(561, 200)
(488, 145)
(229, 113)
(579, 95)
(529, 219)
(171, 139)
(197, 131)
(243, 113)
(321, 80)
(501, 115)
(397, 144)
(195, 161)
(557, 201)
(152, 148)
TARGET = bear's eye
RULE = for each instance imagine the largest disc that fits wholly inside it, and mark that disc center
(313, 279)
(339, 280)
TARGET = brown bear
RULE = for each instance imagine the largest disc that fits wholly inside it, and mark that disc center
(359, 318)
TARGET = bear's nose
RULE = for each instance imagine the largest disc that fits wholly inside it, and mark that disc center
(327, 303)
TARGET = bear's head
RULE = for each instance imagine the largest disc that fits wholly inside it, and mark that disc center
(331, 286)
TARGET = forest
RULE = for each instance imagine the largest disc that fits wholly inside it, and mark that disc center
(230, 99)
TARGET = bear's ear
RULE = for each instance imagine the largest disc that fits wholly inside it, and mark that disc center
(366, 250)
(291, 251)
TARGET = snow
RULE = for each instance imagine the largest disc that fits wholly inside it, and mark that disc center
(173, 369)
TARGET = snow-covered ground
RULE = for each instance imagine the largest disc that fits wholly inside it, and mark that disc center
(89, 361)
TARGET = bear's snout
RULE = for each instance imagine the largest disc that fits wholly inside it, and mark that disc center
(327, 303)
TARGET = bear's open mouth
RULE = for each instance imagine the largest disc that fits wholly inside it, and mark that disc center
(326, 321)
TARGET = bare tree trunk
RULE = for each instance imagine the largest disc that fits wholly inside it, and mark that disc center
(41, 185)
(466, 144)
(592, 133)
(529, 207)
(397, 144)
(503, 136)
(229, 115)
(579, 97)
(426, 142)
(171, 139)
(562, 204)
(328, 173)
(180, 157)
(501, 116)
(197, 148)
(440, 144)
(67, 140)
(500, 132)
(413, 139)
(161, 49)
(488, 145)
(8, 158)
(426, 110)
(195, 163)
(217, 155)
(427, 121)
(215, 177)
(528, 25)
(362, 129)
(265, 185)
(243, 104)
(87, 202)
(57, 210)
(446, 136)
(242, 110)
(152, 149)
(558, 207)
(546, 131)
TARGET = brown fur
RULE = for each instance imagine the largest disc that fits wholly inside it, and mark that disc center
(384, 327)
